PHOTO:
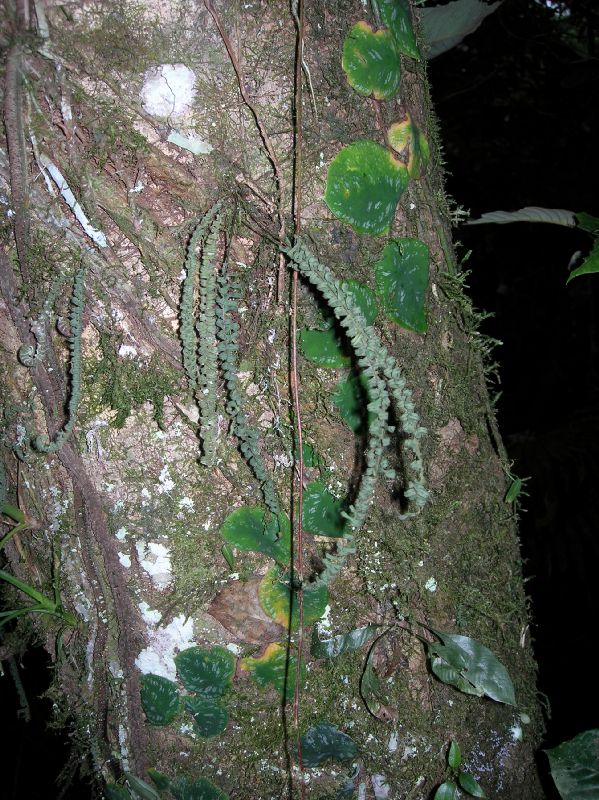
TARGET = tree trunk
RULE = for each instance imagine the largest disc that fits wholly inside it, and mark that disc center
(128, 532)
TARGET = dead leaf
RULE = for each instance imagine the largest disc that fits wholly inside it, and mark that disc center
(237, 609)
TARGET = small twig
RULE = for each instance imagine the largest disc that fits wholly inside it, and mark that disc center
(279, 180)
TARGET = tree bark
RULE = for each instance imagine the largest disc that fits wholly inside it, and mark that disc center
(128, 517)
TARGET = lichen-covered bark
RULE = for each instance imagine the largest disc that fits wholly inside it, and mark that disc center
(128, 518)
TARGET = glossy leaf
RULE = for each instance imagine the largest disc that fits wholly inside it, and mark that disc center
(587, 222)
(351, 398)
(370, 686)
(253, 529)
(160, 699)
(370, 62)
(276, 599)
(454, 756)
(324, 348)
(574, 766)
(446, 26)
(342, 643)
(140, 788)
(321, 512)
(471, 667)
(447, 791)
(364, 184)
(553, 216)
(200, 789)
(514, 491)
(310, 456)
(324, 742)
(207, 672)
(407, 135)
(402, 279)
(468, 784)
(114, 792)
(159, 779)
(589, 265)
(209, 716)
(396, 16)
(274, 668)
(228, 555)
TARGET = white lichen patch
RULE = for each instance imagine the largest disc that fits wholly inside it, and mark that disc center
(127, 351)
(121, 534)
(186, 504)
(125, 560)
(431, 585)
(190, 141)
(380, 786)
(155, 559)
(165, 482)
(164, 643)
(168, 90)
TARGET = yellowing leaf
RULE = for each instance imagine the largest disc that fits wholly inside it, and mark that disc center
(274, 667)
(281, 603)
(406, 134)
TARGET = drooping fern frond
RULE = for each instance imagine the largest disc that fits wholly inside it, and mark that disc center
(228, 337)
(76, 322)
(187, 326)
(207, 346)
(384, 382)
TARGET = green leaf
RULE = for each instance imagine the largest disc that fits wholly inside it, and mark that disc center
(447, 791)
(513, 492)
(321, 513)
(228, 555)
(364, 184)
(469, 785)
(160, 780)
(454, 756)
(114, 792)
(160, 699)
(402, 278)
(276, 598)
(574, 766)
(553, 216)
(444, 27)
(275, 667)
(207, 672)
(477, 667)
(406, 134)
(44, 602)
(351, 398)
(310, 456)
(343, 643)
(253, 529)
(396, 16)
(585, 222)
(370, 62)
(589, 265)
(200, 789)
(141, 788)
(323, 742)
(328, 348)
(209, 716)
(370, 685)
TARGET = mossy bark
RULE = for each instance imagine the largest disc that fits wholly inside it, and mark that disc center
(129, 512)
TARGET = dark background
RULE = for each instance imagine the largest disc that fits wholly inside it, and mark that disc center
(518, 107)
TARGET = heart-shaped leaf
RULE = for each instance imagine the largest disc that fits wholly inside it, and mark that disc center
(364, 184)
(589, 265)
(468, 784)
(396, 16)
(159, 699)
(475, 665)
(253, 529)
(370, 62)
(447, 791)
(275, 667)
(575, 766)
(406, 134)
(324, 742)
(402, 278)
(200, 789)
(281, 603)
(321, 513)
(209, 716)
(445, 26)
(207, 672)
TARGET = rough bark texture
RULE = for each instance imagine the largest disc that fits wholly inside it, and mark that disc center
(132, 516)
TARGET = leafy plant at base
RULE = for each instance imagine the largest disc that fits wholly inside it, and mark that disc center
(574, 766)
(364, 184)
(324, 742)
(448, 790)
(253, 529)
(160, 699)
(470, 667)
(275, 667)
(282, 604)
(207, 672)
(370, 62)
(210, 717)
(402, 279)
(322, 514)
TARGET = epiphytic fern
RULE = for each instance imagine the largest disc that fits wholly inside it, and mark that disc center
(76, 322)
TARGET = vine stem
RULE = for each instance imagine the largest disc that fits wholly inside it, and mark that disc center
(299, 17)
(279, 179)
